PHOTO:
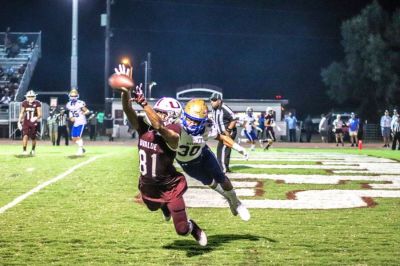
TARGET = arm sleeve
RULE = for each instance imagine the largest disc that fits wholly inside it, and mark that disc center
(175, 127)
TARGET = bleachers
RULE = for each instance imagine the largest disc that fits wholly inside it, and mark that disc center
(23, 64)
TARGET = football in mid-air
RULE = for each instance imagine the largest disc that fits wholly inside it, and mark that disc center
(117, 81)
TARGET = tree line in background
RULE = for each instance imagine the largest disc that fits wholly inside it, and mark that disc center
(368, 76)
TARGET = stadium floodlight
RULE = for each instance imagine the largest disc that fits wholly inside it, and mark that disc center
(126, 61)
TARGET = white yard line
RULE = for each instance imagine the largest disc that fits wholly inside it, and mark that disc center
(45, 184)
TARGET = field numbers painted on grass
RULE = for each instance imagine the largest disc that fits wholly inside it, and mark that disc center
(341, 165)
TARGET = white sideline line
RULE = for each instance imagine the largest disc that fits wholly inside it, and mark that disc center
(45, 184)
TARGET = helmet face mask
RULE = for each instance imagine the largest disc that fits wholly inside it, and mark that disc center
(249, 111)
(73, 95)
(169, 109)
(195, 117)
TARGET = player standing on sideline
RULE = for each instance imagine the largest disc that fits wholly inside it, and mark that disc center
(161, 186)
(77, 115)
(198, 161)
(31, 112)
(225, 123)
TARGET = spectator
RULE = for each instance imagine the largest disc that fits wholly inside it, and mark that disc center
(396, 133)
(13, 51)
(354, 126)
(323, 128)
(338, 129)
(100, 121)
(109, 125)
(92, 126)
(386, 120)
(6, 99)
(291, 122)
(308, 127)
(394, 118)
(23, 40)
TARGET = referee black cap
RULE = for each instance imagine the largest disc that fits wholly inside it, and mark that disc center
(215, 96)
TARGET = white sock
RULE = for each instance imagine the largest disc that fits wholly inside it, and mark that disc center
(80, 143)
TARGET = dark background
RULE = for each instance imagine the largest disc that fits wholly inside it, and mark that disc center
(251, 49)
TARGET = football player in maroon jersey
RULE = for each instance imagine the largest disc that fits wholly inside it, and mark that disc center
(161, 186)
(31, 112)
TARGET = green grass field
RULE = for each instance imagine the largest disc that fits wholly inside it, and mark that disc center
(90, 217)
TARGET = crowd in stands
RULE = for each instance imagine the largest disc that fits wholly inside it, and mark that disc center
(10, 78)
(13, 45)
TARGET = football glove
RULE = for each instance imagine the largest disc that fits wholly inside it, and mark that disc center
(139, 97)
(19, 125)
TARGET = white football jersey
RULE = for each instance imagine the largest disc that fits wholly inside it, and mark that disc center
(250, 122)
(190, 147)
(75, 110)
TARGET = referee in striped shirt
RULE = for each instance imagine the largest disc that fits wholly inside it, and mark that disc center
(62, 126)
(225, 123)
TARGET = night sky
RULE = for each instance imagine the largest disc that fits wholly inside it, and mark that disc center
(251, 49)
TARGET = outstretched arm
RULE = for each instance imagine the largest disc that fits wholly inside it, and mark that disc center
(228, 141)
(170, 136)
(125, 97)
(127, 107)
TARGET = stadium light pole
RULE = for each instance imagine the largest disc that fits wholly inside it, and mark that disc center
(74, 42)
(106, 24)
(152, 84)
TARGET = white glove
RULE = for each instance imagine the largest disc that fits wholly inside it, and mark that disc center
(34, 119)
(19, 126)
(259, 129)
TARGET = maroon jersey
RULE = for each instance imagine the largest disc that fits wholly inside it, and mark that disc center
(31, 110)
(269, 120)
(159, 180)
